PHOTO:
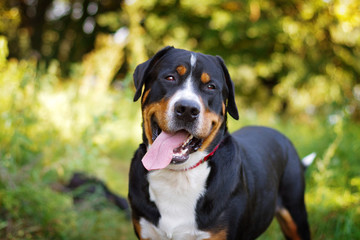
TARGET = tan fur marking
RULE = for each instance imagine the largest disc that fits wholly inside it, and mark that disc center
(223, 109)
(145, 96)
(221, 235)
(287, 224)
(181, 70)
(158, 110)
(210, 128)
(205, 78)
(137, 228)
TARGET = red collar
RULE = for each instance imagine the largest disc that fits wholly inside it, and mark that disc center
(201, 161)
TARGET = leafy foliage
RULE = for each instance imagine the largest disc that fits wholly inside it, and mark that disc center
(287, 56)
(49, 129)
(58, 114)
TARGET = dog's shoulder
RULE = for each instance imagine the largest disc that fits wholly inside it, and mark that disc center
(138, 183)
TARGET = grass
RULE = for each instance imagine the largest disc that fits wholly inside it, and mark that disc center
(49, 129)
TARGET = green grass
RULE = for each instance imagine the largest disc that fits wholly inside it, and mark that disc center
(50, 129)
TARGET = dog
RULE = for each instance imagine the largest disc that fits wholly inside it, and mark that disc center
(190, 178)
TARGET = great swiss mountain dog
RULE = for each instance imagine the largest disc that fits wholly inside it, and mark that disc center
(190, 178)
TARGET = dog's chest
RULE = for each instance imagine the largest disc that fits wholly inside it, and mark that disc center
(175, 195)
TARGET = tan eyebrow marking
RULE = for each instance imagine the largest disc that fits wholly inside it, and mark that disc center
(205, 78)
(181, 70)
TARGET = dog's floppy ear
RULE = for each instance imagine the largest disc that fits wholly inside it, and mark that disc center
(142, 70)
(231, 105)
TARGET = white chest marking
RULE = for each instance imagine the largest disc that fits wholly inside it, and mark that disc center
(175, 195)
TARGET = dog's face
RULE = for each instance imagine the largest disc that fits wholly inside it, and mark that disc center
(184, 92)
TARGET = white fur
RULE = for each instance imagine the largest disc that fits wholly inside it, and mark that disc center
(175, 194)
(308, 160)
(193, 60)
(188, 93)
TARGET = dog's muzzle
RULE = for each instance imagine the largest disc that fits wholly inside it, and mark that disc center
(186, 111)
(186, 116)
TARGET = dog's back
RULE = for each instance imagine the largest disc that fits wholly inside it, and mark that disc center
(274, 176)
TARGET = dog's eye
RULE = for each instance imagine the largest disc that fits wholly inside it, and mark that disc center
(211, 86)
(170, 78)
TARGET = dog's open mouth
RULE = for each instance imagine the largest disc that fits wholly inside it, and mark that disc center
(169, 148)
(182, 152)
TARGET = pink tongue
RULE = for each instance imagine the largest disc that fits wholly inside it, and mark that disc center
(160, 153)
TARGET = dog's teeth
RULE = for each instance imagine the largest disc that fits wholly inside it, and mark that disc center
(181, 153)
(187, 140)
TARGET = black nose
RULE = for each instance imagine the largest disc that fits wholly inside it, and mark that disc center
(186, 110)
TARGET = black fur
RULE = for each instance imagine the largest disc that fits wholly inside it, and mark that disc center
(141, 71)
(138, 192)
(254, 171)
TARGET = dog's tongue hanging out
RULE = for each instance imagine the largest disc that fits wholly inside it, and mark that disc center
(161, 152)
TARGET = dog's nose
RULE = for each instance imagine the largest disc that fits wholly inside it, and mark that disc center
(187, 110)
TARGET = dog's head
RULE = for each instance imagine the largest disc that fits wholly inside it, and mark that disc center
(185, 93)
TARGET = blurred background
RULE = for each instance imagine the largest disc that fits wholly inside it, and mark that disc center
(66, 101)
